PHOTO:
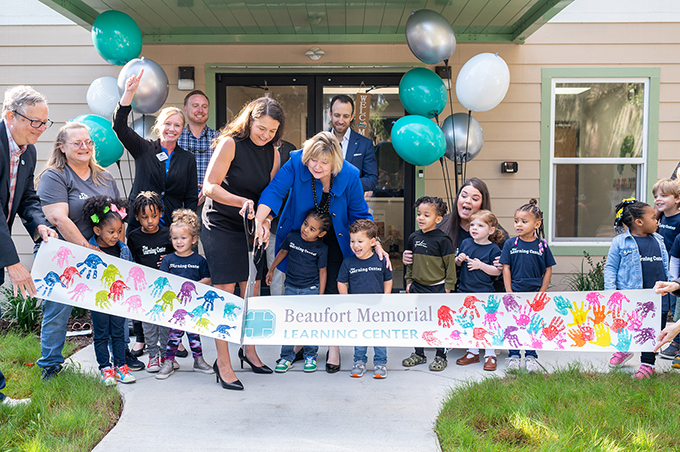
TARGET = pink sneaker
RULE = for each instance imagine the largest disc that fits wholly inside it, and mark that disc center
(619, 359)
(645, 371)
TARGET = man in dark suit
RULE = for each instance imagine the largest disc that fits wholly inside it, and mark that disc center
(24, 119)
(358, 150)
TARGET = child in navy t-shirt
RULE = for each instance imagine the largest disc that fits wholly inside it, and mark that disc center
(365, 272)
(305, 275)
(527, 267)
(475, 259)
(186, 263)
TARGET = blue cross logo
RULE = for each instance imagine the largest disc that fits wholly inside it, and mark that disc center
(260, 323)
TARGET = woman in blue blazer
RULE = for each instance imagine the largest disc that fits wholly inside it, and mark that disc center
(316, 177)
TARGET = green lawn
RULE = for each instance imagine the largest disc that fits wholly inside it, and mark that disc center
(571, 409)
(71, 412)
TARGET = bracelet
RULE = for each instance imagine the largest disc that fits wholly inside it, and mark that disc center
(269, 220)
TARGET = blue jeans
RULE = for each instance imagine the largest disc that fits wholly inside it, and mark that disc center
(288, 351)
(53, 333)
(107, 328)
(526, 353)
(379, 355)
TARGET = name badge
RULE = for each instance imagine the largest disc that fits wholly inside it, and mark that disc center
(162, 156)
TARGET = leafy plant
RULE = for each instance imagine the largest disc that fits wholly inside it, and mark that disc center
(78, 312)
(25, 313)
(593, 279)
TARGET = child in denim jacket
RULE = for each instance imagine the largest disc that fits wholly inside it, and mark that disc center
(637, 259)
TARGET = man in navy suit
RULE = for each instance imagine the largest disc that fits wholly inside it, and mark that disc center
(357, 149)
(24, 119)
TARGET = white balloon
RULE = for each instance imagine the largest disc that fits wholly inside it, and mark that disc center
(483, 82)
(153, 87)
(143, 124)
(103, 96)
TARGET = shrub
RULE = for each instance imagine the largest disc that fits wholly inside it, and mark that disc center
(593, 279)
(24, 313)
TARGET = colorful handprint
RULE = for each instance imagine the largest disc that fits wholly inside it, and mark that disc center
(429, 337)
(62, 256)
(159, 285)
(540, 300)
(492, 304)
(185, 292)
(616, 301)
(562, 304)
(138, 277)
(444, 316)
(67, 278)
(49, 281)
(575, 335)
(110, 274)
(645, 308)
(556, 327)
(624, 339)
(469, 306)
(599, 314)
(579, 314)
(90, 265)
(523, 320)
(593, 299)
(603, 339)
(510, 302)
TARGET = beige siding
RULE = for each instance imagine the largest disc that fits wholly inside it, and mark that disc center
(61, 62)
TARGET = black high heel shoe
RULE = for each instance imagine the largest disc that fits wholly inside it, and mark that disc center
(235, 385)
(257, 369)
(332, 368)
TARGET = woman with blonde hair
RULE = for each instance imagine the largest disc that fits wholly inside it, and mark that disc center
(70, 177)
(160, 165)
(243, 163)
(317, 178)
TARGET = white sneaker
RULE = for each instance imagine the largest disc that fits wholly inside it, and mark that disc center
(531, 364)
(512, 363)
(8, 401)
(358, 369)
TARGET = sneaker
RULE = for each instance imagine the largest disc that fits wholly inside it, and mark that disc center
(132, 362)
(512, 363)
(166, 370)
(50, 372)
(619, 359)
(175, 364)
(283, 366)
(414, 360)
(108, 376)
(531, 364)
(154, 364)
(310, 364)
(358, 369)
(645, 371)
(8, 401)
(201, 366)
(123, 375)
(676, 362)
(379, 371)
(670, 351)
(438, 364)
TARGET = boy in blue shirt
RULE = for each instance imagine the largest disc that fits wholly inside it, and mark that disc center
(365, 273)
(305, 275)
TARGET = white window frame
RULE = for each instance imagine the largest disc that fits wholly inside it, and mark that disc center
(640, 189)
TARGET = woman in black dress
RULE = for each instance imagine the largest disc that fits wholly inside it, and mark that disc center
(243, 164)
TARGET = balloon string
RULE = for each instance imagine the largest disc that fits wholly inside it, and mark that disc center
(455, 160)
(122, 180)
(467, 143)
(447, 181)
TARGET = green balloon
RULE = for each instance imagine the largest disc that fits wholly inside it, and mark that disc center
(422, 92)
(107, 148)
(418, 140)
(116, 37)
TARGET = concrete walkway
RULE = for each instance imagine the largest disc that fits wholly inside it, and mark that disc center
(296, 411)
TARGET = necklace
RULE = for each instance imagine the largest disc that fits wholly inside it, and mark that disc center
(326, 206)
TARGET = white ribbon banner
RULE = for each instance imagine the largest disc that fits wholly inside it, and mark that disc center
(77, 276)
(590, 321)
(626, 321)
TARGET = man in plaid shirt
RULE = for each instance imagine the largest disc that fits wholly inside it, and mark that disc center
(197, 137)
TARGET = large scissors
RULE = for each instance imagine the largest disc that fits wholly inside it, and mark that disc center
(255, 252)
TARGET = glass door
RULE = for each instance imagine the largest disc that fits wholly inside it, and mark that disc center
(306, 101)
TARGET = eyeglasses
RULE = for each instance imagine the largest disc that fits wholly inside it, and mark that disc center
(35, 123)
(79, 144)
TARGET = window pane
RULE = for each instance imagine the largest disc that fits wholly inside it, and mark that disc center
(585, 196)
(599, 119)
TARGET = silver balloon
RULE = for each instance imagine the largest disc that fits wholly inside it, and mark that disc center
(430, 36)
(457, 125)
(153, 87)
(143, 124)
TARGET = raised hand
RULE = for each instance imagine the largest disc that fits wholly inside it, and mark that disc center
(579, 314)
(562, 304)
(603, 339)
(132, 83)
(539, 302)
